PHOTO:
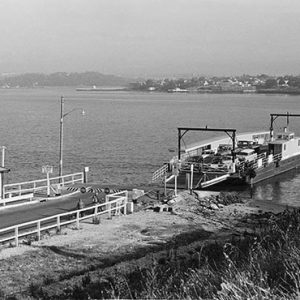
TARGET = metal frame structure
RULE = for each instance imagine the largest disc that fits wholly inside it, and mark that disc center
(275, 116)
(183, 130)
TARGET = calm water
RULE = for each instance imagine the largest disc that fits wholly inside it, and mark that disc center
(124, 136)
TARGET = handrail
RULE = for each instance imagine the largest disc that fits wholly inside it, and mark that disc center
(160, 172)
(40, 184)
(277, 157)
(42, 180)
(109, 207)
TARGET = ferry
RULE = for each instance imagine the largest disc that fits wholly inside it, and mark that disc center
(177, 90)
(245, 158)
(102, 89)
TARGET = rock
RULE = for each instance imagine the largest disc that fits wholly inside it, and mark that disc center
(161, 208)
(214, 206)
(137, 194)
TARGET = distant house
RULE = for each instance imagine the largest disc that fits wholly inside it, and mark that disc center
(229, 86)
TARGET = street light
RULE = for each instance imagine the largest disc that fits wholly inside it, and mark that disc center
(61, 131)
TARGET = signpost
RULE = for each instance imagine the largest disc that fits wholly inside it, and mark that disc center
(47, 169)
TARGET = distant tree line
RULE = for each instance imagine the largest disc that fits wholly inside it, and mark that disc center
(260, 82)
(163, 85)
(291, 81)
(62, 79)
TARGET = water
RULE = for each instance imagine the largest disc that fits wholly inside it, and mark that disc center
(125, 136)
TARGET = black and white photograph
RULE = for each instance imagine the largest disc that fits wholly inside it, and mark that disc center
(150, 149)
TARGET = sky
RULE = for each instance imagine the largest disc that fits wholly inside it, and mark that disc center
(151, 38)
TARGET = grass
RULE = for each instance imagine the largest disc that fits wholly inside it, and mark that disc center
(264, 265)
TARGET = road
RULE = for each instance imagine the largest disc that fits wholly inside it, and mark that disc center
(10, 216)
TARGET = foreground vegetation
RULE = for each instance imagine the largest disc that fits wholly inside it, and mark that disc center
(261, 265)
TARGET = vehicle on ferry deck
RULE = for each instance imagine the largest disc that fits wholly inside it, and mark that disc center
(208, 152)
(247, 155)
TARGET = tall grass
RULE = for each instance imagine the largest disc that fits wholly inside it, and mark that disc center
(265, 265)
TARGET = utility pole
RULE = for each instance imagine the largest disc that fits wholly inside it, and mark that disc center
(61, 136)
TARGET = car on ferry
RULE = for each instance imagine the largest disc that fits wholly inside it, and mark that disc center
(208, 152)
(246, 144)
(224, 149)
(192, 160)
(247, 155)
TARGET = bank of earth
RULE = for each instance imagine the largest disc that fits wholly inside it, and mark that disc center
(62, 260)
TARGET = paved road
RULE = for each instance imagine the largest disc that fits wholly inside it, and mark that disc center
(11, 216)
(29, 212)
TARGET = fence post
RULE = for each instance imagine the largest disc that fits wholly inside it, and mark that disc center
(20, 188)
(109, 210)
(48, 184)
(125, 204)
(118, 208)
(106, 201)
(39, 230)
(58, 222)
(85, 174)
(77, 219)
(17, 236)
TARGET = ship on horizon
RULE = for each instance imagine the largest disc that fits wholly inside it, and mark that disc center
(94, 88)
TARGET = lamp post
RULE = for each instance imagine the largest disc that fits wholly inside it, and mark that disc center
(61, 132)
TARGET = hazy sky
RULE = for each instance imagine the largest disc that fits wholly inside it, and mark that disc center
(151, 37)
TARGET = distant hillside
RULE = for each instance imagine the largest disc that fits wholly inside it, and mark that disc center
(62, 79)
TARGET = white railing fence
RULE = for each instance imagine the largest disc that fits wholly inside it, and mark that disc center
(160, 173)
(115, 204)
(22, 189)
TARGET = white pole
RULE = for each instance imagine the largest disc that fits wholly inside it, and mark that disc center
(17, 236)
(48, 184)
(2, 174)
(39, 230)
(3, 156)
(192, 175)
(1, 186)
(175, 185)
(61, 137)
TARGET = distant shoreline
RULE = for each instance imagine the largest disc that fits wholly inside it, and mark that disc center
(93, 89)
(293, 92)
